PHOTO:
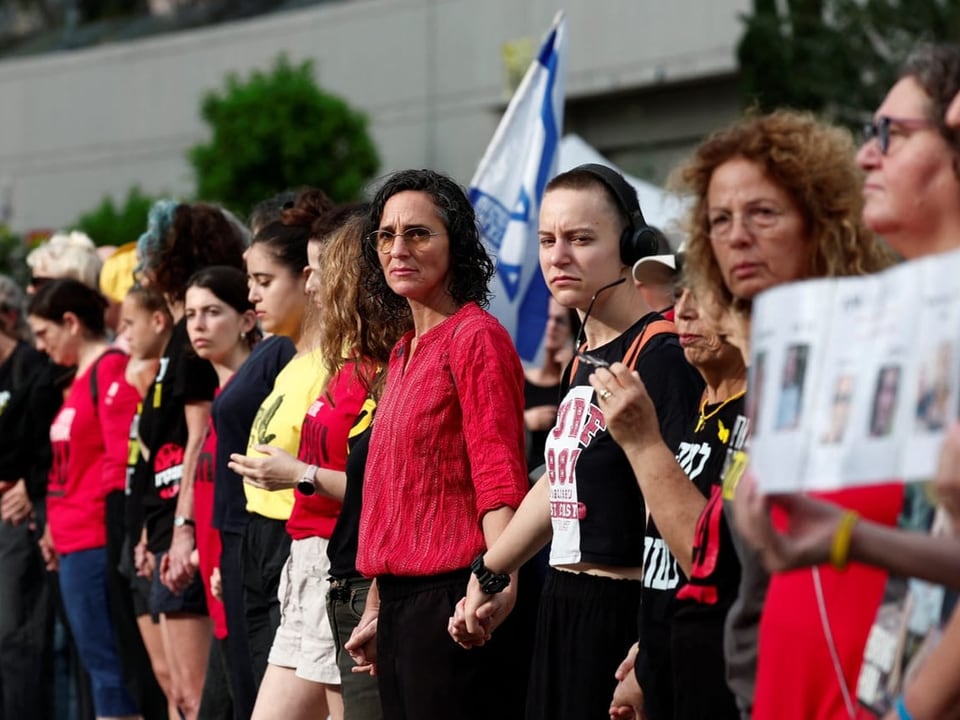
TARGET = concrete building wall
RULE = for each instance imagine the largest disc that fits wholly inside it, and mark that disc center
(646, 80)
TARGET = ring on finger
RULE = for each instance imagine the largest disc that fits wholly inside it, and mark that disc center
(604, 394)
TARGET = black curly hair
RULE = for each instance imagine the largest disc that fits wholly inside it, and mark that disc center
(471, 267)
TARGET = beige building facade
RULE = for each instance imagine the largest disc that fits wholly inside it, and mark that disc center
(646, 80)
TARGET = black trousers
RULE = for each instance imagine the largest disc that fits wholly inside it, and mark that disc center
(266, 547)
(216, 702)
(585, 627)
(239, 664)
(424, 674)
(26, 627)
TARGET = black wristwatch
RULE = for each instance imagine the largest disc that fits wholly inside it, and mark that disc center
(490, 582)
(306, 485)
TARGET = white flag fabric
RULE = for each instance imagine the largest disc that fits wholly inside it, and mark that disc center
(508, 186)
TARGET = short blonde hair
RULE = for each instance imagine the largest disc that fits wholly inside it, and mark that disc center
(67, 255)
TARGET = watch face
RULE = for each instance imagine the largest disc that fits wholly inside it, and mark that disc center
(306, 487)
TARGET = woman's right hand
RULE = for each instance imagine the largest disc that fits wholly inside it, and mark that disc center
(275, 470)
(810, 529)
(541, 417)
(47, 550)
(216, 584)
(362, 644)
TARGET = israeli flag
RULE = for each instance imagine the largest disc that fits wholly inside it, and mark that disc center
(508, 186)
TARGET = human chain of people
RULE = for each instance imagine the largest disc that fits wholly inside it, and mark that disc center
(292, 466)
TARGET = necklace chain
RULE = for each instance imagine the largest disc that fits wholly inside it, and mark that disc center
(703, 406)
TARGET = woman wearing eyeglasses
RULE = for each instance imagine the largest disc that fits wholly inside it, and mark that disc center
(912, 197)
(603, 554)
(776, 199)
(446, 466)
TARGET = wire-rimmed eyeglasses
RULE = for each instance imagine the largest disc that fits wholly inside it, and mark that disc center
(414, 238)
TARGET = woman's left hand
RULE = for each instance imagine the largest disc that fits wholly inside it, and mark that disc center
(276, 470)
(627, 408)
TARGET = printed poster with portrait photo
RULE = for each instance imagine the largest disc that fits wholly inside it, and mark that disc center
(788, 355)
(839, 405)
(887, 369)
(856, 379)
(882, 413)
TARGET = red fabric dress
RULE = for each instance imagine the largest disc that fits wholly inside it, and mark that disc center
(209, 547)
(796, 675)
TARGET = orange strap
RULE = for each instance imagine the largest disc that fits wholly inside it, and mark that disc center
(657, 327)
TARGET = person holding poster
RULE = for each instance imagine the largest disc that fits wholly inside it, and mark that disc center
(912, 198)
(777, 199)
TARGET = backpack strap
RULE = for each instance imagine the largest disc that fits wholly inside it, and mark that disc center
(657, 327)
(95, 382)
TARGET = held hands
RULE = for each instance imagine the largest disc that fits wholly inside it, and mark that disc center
(143, 560)
(276, 470)
(540, 417)
(627, 408)
(477, 614)
(627, 700)
(362, 644)
(177, 567)
(216, 584)
(47, 550)
(15, 505)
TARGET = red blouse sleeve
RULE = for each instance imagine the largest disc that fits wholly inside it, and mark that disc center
(489, 381)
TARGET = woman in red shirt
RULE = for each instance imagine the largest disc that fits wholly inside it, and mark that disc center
(89, 442)
(777, 199)
(446, 468)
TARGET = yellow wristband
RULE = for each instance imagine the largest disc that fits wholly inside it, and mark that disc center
(840, 545)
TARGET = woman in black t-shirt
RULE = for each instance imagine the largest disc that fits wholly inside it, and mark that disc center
(179, 239)
(588, 504)
(687, 534)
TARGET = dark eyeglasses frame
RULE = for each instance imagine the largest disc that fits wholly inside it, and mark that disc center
(582, 356)
(879, 129)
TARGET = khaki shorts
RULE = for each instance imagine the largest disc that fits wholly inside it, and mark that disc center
(304, 640)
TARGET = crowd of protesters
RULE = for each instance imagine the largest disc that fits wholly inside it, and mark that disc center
(295, 469)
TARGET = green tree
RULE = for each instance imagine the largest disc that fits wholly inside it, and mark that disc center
(278, 130)
(835, 57)
(108, 224)
(13, 254)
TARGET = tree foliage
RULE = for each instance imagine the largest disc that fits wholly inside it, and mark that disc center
(13, 256)
(835, 57)
(276, 130)
(108, 224)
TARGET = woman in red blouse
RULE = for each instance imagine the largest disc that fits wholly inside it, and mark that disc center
(446, 467)
(89, 442)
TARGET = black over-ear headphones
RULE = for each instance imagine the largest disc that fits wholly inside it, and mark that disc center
(638, 239)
